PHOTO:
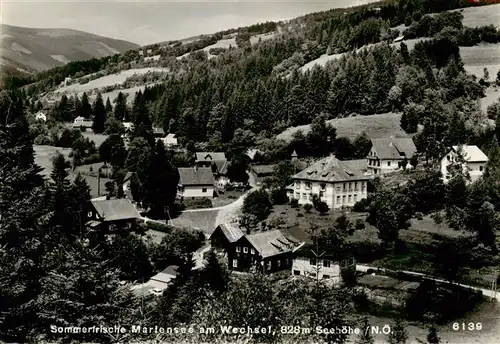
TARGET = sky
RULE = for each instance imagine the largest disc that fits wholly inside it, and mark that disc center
(148, 22)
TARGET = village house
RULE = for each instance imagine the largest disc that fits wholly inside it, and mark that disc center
(386, 154)
(82, 123)
(269, 251)
(472, 159)
(261, 172)
(332, 180)
(112, 215)
(218, 163)
(195, 182)
(169, 141)
(156, 284)
(322, 268)
(158, 132)
(40, 116)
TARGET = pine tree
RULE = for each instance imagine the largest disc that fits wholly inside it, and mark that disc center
(160, 184)
(120, 110)
(398, 334)
(109, 108)
(99, 115)
(22, 213)
(85, 110)
(215, 274)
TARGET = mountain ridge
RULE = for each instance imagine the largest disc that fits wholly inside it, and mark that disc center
(32, 50)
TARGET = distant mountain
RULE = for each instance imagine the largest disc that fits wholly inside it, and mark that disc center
(30, 50)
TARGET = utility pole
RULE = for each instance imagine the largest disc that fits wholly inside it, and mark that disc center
(317, 256)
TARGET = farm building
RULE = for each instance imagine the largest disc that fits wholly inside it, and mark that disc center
(195, 182)
(473, 161)
(112, 215)
(386, 154)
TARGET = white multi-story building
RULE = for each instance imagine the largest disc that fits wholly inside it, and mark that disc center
(317, 268)
(386, 154)
(335, 183)
(473, 161)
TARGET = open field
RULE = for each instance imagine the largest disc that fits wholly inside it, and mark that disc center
(481, 56)
(129, 92)
(202, 220)
(263, 37)
(375, 126)
(482, 15)
(109, 80)
(97, 138)
(44, 155)
(323, 59)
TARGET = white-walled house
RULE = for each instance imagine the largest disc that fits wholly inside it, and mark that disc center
(40, 116)
(169, 141)
(321, 268)
(386, 154)
(472, 158)
(195, 182)
(337, 184)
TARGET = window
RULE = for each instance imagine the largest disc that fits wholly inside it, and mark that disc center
(388, 163)
(326, 263)
(338, 199)
(297, 195)
(378, 163)
(204, 190)
(296, 272)
(321, 194)
(269, 265)
(481, 168)
(245, 249)
(308, 185)
(279, 263)
(235, 263)
(128, 225)
(238, 249)
(350, 186)
(252, 251)
(343, 199)
(312, 261)
(323, 187)
(287, 261)
(304, 196)
(338, 188)
(355, 198)
(90, 214)
(297, 185)
(448, 157)
(447, 176)
(356, 186)
(326, 276)
(112, 227)
(349, 198)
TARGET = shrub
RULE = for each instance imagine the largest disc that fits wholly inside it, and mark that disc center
(308, 207)
(419, 215)
(360, 224)
(294, 203)
(322, 208)
(257, 203)
(300, 215)
(361, 206)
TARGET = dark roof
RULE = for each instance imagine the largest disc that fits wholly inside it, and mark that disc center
(232, 232)
(210, 156)
(330, 169)
(358, 164)
(195, 176)
(394, 148)
(263, 169)
(271, 243)
(222, 166)
(115, 209)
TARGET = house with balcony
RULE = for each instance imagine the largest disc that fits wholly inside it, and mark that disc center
(386, 154)
(195, 182)
(333, 181)
(112, 215)
(472, 159)
(268, 251)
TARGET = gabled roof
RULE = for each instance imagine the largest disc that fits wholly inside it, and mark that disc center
(158, 131)
(471, 153)
(195, 176)
(170, 136)
(115, 209)
(394, 148)
(271, 243)
(222, 166)
(252, 152)
(232, 232)
(166, 275)
(330, 169)
(210, 156)
(263, 169)
(294, 154)
(171, 270)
